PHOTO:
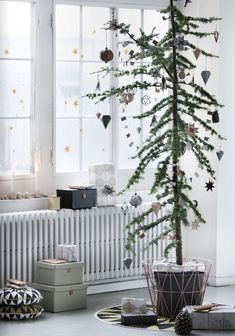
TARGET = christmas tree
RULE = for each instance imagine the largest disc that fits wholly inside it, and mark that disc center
(182, 118)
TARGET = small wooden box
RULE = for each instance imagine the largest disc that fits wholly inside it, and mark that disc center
(220, 318)
(77, 198)
(62, 298)
(60, 274)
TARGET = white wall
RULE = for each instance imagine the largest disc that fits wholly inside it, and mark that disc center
(226, 182)
(202, 243)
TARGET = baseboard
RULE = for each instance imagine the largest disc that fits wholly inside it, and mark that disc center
(116, 285)
(217, 281)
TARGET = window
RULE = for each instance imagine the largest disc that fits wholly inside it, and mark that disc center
(81, 138)
(16, 87)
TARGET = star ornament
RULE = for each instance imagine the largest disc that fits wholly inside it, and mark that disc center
(75, 51)
(195, 225)
(209, 186)
(75, 103)
(67, 149)
(191, 130)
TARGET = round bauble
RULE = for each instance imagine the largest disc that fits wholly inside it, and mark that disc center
(106, 55)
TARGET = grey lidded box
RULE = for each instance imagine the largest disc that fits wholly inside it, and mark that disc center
(60, 274)
(62, 298)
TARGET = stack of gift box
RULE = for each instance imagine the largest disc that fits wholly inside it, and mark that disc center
(61, 281)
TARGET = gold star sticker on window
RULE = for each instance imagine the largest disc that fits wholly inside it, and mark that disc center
(75, 51)
(125, 51)
(6, 51)
(75, 103)
(13, 91)
(67, 149)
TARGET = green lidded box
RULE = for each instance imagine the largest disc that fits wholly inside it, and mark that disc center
(68, 273)
(62, 298)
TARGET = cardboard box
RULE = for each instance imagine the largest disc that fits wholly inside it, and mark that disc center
(60, 274)
(219, 318)
(62, 298)
(77, 198)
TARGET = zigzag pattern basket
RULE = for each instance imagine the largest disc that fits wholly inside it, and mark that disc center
(170, 289)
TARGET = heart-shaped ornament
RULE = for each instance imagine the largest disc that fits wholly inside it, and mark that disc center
(197, 53)
(156, 206)
(205, 75)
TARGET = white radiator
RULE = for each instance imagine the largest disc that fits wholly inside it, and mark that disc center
(27, 237)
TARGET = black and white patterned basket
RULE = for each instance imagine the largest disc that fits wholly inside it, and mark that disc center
(20, 312)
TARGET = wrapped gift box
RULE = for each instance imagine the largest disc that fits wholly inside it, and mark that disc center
(77, 198)
(62, 298)
(68, 253)
(133, 306)
(219, 318)
(103, 175)
(60, 274)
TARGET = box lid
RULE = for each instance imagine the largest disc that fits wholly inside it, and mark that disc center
(56, 289)
(71, 265)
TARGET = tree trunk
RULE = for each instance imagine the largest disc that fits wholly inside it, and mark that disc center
(175, 158)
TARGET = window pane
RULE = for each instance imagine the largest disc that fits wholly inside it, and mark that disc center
(96, 142)
(14, 88)
(128, 144)
(15, 146)
(67, 89)
(15, 23)
(154, 19)
(67, 32)
(94, 37)
(67, 145)
(90, 82)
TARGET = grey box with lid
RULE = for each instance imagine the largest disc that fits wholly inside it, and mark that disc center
(60, 274)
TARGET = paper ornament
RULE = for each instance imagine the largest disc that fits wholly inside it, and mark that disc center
(195, 203)
(127, 261)
(108, 189)
(215, 117)
(219, 154)
(98, 115)
(106, 55)
(105, 120)
(187, 2)
(209, 186)
(195, 224)
(125, 208)
(136, 200)
(139, 129)
(197, 53)
(146, 100)
(181, 74)
(153, 121)
(205, 75)
(127, 98)
(216, 35)
(156, 206)
(141, 234)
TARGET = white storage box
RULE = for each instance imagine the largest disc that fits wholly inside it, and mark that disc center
(62, 298)
(60, 274)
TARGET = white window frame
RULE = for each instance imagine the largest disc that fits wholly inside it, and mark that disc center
(31, 117)
(136, 4)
